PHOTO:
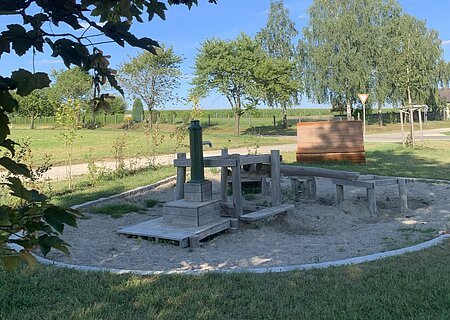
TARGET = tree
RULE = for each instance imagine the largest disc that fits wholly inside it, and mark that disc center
(418, 56)
(36, 223)
(385, 21)
(37, 104)
(152, 77)
(230, 68)
(118, 105)
(337, 62)
(277, 40)
(138, 110)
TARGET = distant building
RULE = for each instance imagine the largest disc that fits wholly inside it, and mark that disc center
(445, 94)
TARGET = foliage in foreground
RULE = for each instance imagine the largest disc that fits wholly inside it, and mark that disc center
(414, 286)
(34, 221)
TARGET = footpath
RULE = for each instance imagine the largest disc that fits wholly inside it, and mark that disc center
(59, 172)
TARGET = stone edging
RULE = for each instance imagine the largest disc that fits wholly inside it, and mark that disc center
(124, 194)
(322, 265)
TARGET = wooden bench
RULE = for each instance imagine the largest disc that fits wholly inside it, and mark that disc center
(371, 185)
(267, 212)
(330, 140)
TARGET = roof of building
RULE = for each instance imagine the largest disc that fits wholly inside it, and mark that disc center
(445, 93)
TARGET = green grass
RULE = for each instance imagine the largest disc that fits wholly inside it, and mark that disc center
(429, 160)
(100, 142)
(82, 192)
(115, 210)
(447, 133)
(151, 203)
(413, 286)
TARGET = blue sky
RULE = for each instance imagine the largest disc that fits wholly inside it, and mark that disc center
(185, 30)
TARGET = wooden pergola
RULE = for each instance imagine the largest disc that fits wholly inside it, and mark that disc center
(407, 112)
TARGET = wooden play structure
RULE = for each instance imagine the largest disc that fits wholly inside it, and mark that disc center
(407, 115)
(330, 140)
(195, 215)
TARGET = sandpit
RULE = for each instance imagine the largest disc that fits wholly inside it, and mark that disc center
(316, 231)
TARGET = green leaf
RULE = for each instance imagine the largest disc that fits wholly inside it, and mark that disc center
(17, 35)
(5, 211)
(14, 167)
(27, 82)
(156, 7)
(11, 262)
(47, 242)
(8, 103)
(27, 257)
(18, 190)
(9, 144)
(4, 129)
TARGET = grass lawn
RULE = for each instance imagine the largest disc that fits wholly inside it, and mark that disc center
(100, 142)
(414, 286)
(429, 160)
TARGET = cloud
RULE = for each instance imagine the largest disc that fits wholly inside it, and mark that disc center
(303, 16)
(445, 42)
(48, 61)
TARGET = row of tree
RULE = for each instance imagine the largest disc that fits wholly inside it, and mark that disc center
(348, 47)
(71, 84)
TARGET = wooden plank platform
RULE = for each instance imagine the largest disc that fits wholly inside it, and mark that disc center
(267, 212)
(157, 229)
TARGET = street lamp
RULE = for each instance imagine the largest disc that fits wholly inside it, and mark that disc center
(363, 97)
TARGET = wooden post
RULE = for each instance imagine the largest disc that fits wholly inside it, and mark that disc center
(209, 120)
(236, 181)
(174, 116)
(294, 188)
(224, 179)
(420, 124)
(312, 188)
(274, 122)
(411, 121)
(372, 201)
(403, 130)
(275, 175)
(339, 195)
(403, 195)
(181, 178)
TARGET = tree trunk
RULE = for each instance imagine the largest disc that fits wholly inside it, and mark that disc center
(32, 117)
(237, 119)
(349, 111)
(380, 114)
(150, 114)
(285, 124)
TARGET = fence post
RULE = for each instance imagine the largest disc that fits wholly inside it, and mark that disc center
(274, 122)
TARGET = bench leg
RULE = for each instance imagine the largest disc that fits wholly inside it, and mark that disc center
(294, 188)
(312, 188)
(339, 195)
(372, 201)
(403, 195)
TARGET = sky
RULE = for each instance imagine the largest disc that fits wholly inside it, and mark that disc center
(185, 30)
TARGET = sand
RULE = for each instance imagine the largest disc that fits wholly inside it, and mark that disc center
(316, 231)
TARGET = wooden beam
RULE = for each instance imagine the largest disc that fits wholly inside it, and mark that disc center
(237, 192)
(264, 213)
(275, 175)
(224, 179)
(181, 178)
(318, 172)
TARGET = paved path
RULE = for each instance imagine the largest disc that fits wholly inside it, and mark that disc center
(59, 173)
(430, 134)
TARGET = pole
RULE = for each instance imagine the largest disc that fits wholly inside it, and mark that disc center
(196, 148)
(364, 122)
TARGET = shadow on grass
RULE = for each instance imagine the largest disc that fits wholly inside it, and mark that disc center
(291, 130)
(86, 194)
(379, 290)
(393, 160)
